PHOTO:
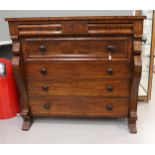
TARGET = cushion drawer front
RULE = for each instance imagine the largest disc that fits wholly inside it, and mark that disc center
(59, 28)
(76, 87)
(77, 69)
(79, 106)
(119, 47)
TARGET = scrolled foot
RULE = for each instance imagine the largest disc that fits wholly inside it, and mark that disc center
(26, 125)
(28, 120)
(132, 128)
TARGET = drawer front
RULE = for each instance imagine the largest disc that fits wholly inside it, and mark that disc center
(59, 28)
(76, 87)
(69, 47)
(79, 106)
(77, 69)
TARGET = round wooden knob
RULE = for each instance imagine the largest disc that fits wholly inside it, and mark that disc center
(110, 88)
(110, 71)
(45, 88)
(43, 71)
(109, 107)
(42, 48)
(47, 105)
(110, 48)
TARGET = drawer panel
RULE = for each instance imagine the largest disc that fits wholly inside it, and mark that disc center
(76, 87)
(108, 28)
(79, 106)
(77, 69)
(119, 47)
(37, 30)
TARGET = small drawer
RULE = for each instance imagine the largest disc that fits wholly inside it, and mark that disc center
(76, 87)
(107, 28)
(39, 29)
(117, 47)
(79, 106)
(77, 69)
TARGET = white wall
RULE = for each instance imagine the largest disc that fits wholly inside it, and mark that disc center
(4, 32)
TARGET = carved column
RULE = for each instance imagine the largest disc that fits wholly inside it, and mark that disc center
(19, 76)
(137, 67)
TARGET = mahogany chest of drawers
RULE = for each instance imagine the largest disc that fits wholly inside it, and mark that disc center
(77, 66)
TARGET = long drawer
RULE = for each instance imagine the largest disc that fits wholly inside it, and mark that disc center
(119, 47)
(76, 87)
(79, 106)
(77, 69)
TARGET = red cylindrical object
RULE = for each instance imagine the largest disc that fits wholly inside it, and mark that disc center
(9, 98)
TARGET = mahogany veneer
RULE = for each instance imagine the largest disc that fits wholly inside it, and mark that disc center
(77, 66)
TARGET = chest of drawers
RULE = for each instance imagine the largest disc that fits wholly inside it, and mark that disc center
(77, 66)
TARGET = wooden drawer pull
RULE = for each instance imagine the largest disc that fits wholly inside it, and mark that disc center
(109, 88)
(47, 105)
(110, 48)
(45, 88)
(42, 48)
(109, 107)
(110, 71)
(43, 71)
